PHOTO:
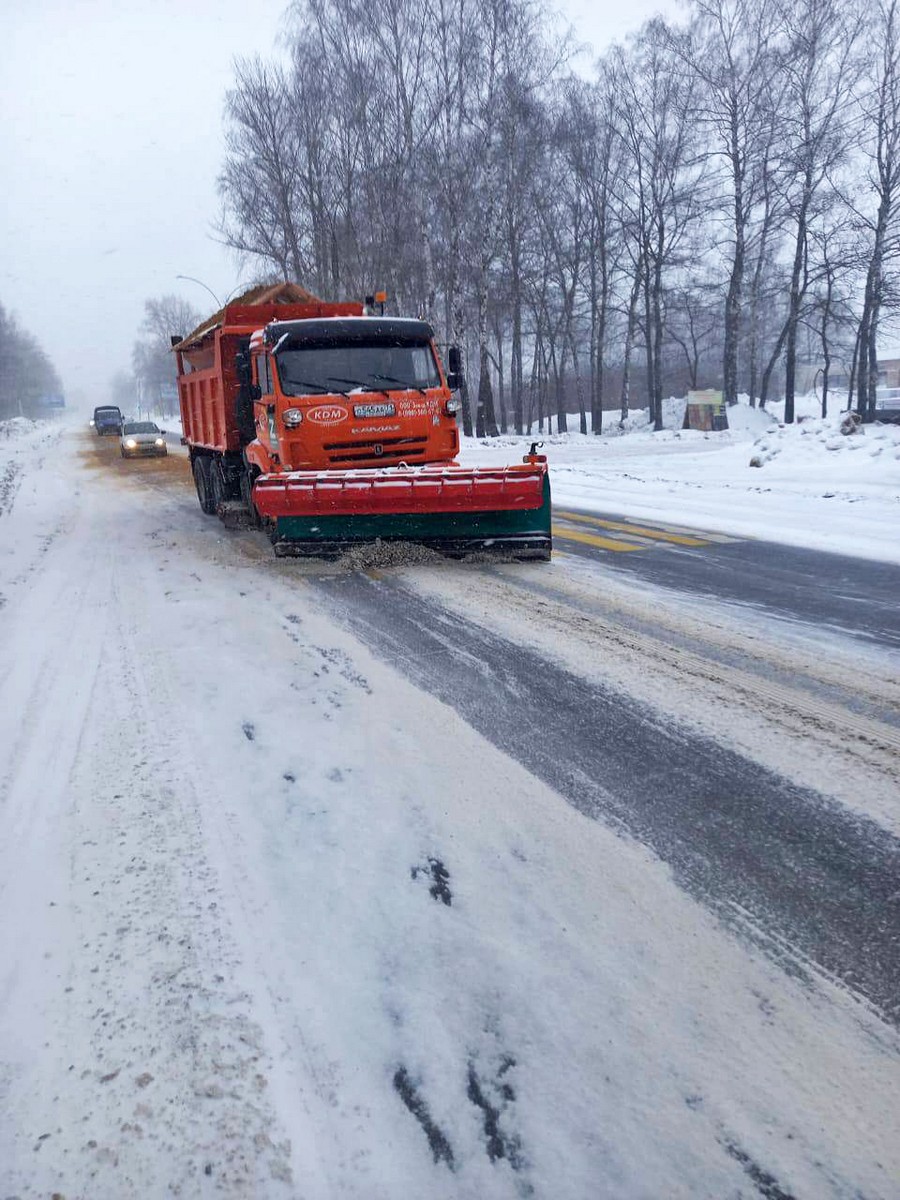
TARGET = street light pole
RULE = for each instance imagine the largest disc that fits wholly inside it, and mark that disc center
(824, 397)
(219, 303)
(191, 279)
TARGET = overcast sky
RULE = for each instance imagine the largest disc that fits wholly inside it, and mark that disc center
(111, 141)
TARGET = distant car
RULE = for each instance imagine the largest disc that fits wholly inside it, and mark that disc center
(142, 439)
(107, 419)
(887, 404)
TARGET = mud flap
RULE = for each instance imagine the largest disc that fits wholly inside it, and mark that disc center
(234, 514)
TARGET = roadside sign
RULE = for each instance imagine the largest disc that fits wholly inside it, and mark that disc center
(705, 410)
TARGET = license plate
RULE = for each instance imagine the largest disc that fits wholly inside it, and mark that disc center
(373, 410)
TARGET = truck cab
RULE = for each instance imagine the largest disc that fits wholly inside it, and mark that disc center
(349, 392)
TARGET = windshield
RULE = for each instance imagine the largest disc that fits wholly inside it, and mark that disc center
(141, 427)
(315, 369)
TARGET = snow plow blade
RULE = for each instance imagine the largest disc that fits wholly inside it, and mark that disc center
(455, 510)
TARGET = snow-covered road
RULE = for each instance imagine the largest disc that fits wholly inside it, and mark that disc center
(280, 921)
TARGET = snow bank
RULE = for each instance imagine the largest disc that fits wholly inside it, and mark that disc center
(810, 486)
(17, 427)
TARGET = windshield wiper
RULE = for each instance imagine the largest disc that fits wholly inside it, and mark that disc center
(303, 383)
(411, 387)
(323, 390)
(359, 384)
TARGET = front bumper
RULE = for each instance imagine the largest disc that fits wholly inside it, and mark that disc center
(145, 452)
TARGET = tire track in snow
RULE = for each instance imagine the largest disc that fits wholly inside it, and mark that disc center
(812, 884)
(131, 1062)
(10, 479)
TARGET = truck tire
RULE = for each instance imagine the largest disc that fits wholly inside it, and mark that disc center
(218, 493)
(202, 483)
(247, 479)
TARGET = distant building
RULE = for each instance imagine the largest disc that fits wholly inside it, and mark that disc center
(889, 370)
(809, 376)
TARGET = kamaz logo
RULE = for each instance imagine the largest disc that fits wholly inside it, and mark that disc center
(327, 414)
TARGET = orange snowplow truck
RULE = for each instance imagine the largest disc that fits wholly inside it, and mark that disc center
(333, 426)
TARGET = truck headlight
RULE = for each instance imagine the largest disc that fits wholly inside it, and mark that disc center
(451, 408)
(160, 442)
(131, 444)
(292, 417)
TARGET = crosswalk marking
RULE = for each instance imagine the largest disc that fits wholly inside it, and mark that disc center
(658, 535)
(622, 536)
(592, 539)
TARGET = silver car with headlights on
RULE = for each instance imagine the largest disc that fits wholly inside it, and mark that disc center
(142, 439)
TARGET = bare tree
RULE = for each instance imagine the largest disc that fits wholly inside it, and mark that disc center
(27, 376)
(695, 307)
(152, 361)
(594, 157)
(547, 225)
(123, 390)
(732, 48)
(657, 99)
(260, 178)
(821, 67)
(833, 251)
(761, 246)
(880, 104)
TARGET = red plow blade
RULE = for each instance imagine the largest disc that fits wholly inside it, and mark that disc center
(452, 508)
(404, 490)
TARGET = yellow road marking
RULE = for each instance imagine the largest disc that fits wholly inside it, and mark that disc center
(692, 531)
(591, 539)
(638, 530)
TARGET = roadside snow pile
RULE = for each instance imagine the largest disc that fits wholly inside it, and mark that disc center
(812, 441)
(23, 444)
(20, 436)
(17, 427)
(743, 422)
(817, 487)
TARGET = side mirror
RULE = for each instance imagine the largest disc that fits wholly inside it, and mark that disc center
(255, 391)
(454, 368)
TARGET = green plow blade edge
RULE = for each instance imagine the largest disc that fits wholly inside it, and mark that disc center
(528, 529)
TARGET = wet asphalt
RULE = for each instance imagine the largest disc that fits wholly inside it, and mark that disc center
(816, 886)
(854, 596)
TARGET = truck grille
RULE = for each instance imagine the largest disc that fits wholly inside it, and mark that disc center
(392, 450)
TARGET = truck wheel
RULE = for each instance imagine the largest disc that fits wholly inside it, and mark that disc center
(247, 479)
(217, 490)
(202, 483)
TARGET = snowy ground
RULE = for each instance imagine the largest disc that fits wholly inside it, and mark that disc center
(278, 924)
(815, 486)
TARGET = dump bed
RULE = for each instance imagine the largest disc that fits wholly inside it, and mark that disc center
(207, 372)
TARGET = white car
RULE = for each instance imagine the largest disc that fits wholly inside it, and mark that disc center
(142, 439)
(887, 404)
